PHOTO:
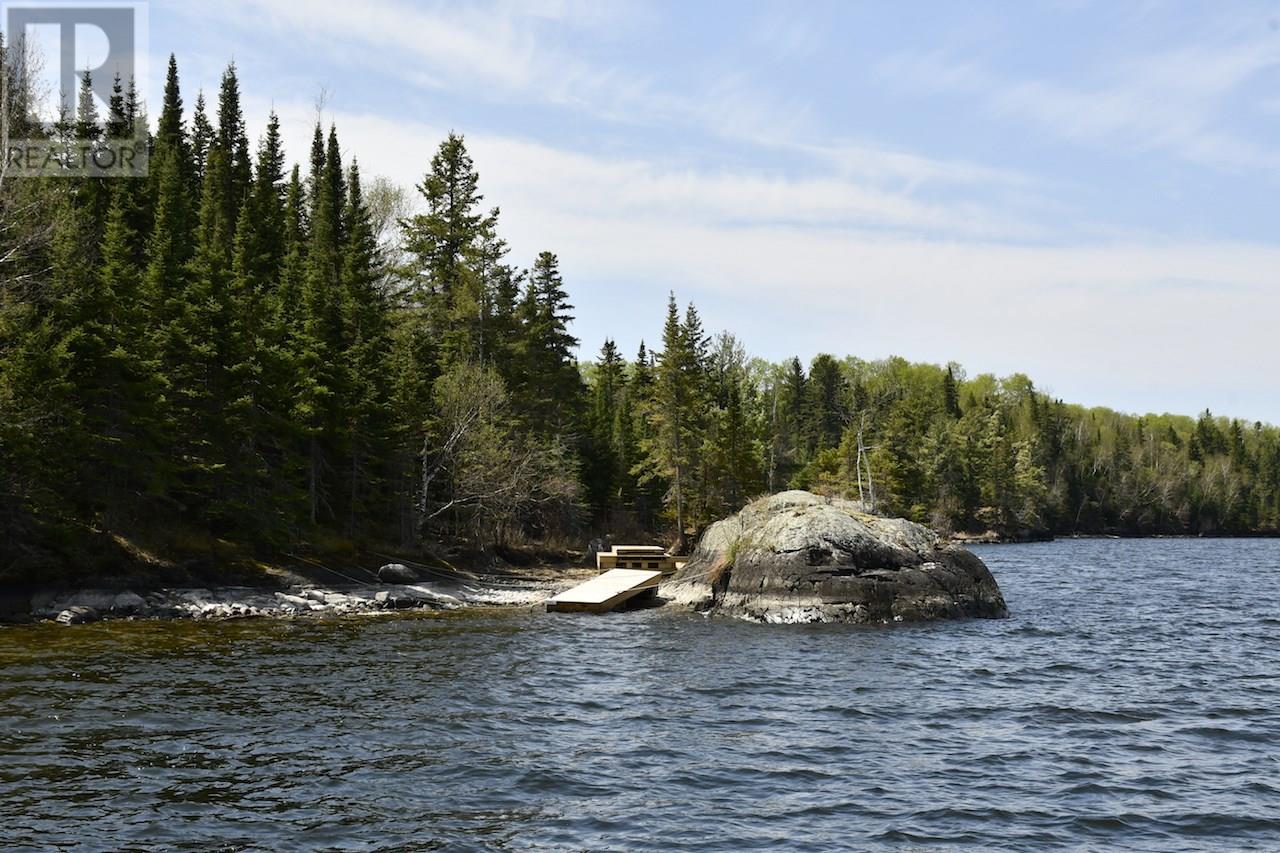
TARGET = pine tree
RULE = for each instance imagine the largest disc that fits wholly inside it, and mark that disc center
(826, 410)
(499, 343)
(335, 184)
(731, 457)
(267, 203)
(950, 395)
(117, 126)
(233, 139)
(171, 131)
(316, 175)
(252, 405)
(292, 389)
(793, 424)
(367, 404)
(134, 113)
(92, 192)
(290, 283)
(168, 247)
(204, 329)
(605, 469)
(647, 483)
(671, 448)
(321, 341)
(203, 138)
(549, 392)
(444, 244)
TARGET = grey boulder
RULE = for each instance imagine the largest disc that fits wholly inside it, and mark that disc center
(405, 598)
(397, 573)
(129, 604)
(799, 557)
(78, 614)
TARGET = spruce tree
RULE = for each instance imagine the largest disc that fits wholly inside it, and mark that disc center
(605, 463)
(950, 396)
(697, 415)
(171, 130)
(367, 347)
(647, 483)
(445, 247)
(826, 404)
(204, 329)
(117, 126)
(267, 203)
(670, 449)
(549, 393)
(294, 242)
(234, 141)
(92, 192)
(335, 183)
(203, 138)
(321, 342)
(499, 342)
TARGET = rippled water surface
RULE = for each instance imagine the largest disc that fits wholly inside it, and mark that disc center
(1131, 702)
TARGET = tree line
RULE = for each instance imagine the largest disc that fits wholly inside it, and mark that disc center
(921, 441)
(234, 349)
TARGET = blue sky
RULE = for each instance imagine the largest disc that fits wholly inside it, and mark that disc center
(1085, 192)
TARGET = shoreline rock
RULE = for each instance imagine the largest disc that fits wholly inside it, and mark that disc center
(397, 573)
(89, 605)
(798, 557)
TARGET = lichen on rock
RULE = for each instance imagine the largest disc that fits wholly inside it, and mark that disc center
(800, 557)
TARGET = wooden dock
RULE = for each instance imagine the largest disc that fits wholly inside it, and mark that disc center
(605, 592)
(630, 571)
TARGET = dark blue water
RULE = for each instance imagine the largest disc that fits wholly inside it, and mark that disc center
(1131, 702)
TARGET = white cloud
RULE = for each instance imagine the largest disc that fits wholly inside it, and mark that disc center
(497, 49)
(532, 175)
(517, 52)
(1170, 101)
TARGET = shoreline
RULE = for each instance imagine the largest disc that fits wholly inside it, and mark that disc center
(83, 606)
(310, 598)
(993, 538)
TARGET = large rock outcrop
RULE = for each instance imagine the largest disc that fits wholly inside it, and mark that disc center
(799, 557)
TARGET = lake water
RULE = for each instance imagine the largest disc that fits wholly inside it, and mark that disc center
(1132, 701)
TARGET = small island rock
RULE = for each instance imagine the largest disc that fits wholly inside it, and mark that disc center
(799, 557)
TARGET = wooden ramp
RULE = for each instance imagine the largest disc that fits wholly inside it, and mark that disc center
(605, 592)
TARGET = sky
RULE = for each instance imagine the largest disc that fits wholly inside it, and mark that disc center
(1083, 192)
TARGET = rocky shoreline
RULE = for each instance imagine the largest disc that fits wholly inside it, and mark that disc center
(92, 605)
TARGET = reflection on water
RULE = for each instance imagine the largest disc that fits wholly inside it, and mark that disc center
(1129, 702)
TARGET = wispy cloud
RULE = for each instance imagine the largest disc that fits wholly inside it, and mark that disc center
(1174, 101)
(556, 179)
(499, 49)
(517, 53)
